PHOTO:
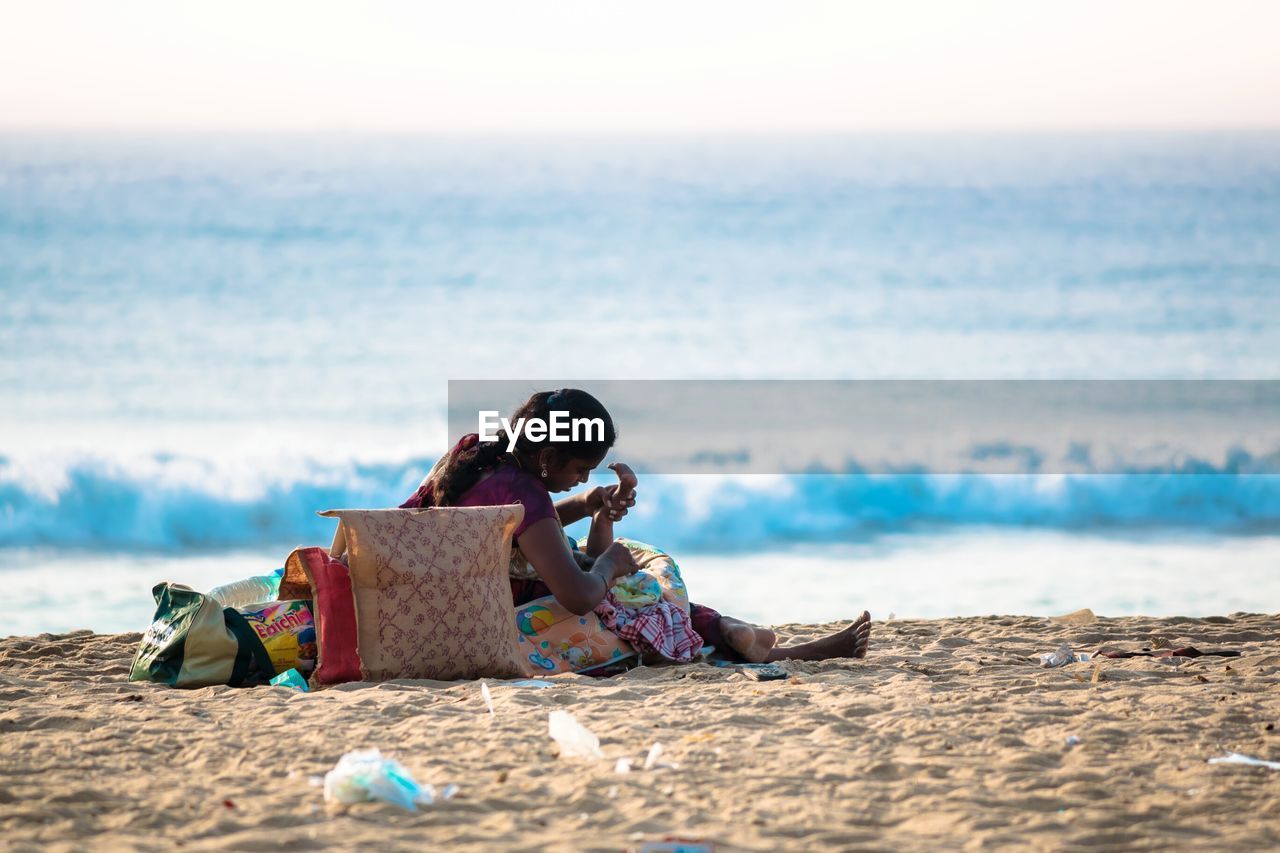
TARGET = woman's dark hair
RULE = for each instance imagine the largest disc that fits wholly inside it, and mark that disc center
(461, 468)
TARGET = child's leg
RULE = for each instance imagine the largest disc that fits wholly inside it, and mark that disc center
(752, 642)
(759, 645)
(732, 638)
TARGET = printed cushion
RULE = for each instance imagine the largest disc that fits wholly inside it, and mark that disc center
(432, 598)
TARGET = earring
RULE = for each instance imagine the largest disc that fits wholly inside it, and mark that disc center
(544, 472)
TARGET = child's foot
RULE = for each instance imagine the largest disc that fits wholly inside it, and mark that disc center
(849, 642)
(752, 642)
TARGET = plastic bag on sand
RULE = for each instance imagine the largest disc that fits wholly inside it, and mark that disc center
(1059, 657)
(364, 775)
(292, 679)
(573, 737)
(1237, 758)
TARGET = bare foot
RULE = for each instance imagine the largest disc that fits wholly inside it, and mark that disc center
(862, 635)
(750, 641)
(849, 642)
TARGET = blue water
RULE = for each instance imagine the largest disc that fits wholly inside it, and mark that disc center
(203, 339)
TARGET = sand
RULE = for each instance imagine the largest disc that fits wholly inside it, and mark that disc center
(949, 735)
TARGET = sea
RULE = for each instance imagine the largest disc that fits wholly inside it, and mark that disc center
(207, 338)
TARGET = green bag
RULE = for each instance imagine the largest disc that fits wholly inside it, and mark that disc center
(195, 642)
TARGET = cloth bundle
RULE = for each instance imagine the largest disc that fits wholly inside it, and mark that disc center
(650, 609)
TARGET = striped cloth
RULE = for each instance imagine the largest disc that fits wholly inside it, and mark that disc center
(662, 629)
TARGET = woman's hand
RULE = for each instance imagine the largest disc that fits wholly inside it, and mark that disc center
(615, 563)
(544, 544)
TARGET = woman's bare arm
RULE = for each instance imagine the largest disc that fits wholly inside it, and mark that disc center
(617, 499)
(579, 506)
(544, 546)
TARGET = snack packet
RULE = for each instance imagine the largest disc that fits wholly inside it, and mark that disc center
(287, 630)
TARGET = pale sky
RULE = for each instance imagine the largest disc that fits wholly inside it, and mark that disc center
(653, 66)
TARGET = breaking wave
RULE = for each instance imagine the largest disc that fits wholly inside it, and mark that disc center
(178, 504)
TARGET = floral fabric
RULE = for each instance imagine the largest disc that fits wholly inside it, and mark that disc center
(506, 485)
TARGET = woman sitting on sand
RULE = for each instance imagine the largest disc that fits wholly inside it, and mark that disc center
(476, 473)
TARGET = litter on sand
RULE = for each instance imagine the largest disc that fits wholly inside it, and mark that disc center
(292, 679)
(626, 765)
(574, 738)
(1062, 656)
(364, 775)
(1183, 652)
(1237, 758)
(486, 696)
(754, 671)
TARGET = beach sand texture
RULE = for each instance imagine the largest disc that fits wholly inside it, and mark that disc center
(949, 735)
